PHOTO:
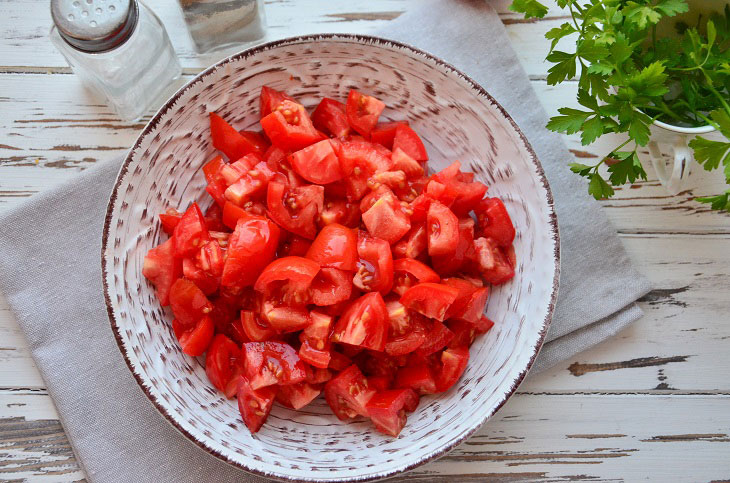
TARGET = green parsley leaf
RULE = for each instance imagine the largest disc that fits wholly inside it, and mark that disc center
(650, 81)
(564, 67)
(719, 202)
(570, 122)
(639, 131)
(722, 118)
(670, 8)
(531, 8)
(640, 15)
(581, 169)
(628, 169)
(710, 154)
(592, 130)
(557, 33)
(599, 188)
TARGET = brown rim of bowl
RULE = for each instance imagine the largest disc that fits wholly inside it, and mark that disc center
(311, 38)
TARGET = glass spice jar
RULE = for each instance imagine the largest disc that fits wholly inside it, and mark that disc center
(215, 24)
(118, 48)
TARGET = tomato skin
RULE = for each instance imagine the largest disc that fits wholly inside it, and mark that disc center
(464, 333)
(162, 269)
(254, 328)
(385, 219)
(232, 213)
(314, 357)
(338, 361)
(363, 112)
(330, 117)
(269, 100)
(430, 299)
(454, 262)
(375, 267)
(285, 318)
(493, 264)
(419, 378)
(407, 140)
(169, 221)
(408, 272)
(216, 183)
(233, 143)
(414, 244)
(317, 163)
(331, 286)
(438, 337)
(453, 364)
(254, 404)
(495, 222)
(384, 132)
(364, 323)
(194, 342)
(251, 247)
(269, 363)
(443, 230)
(308, 201)
(335, 247)
(298, 273)
(222, 361)
(296, 396)
(188, 302)
(191, 232)
(484, 324)
(348, 394)
(289, 127)
(387, 409)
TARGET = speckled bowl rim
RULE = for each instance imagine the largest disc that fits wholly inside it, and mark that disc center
(365, 39)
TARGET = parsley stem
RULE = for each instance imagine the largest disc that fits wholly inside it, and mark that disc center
(712, 89)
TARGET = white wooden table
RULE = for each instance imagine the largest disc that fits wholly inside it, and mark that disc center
(653, 403)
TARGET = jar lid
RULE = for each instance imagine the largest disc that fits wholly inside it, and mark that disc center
(94, 25)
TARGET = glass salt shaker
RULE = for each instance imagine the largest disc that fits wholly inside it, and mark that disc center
(214, 24)
(118, 48)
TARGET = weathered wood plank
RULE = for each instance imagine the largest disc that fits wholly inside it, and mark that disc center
(533, 438)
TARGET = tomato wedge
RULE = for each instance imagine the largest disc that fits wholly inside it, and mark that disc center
(385, 219)
(254, 328)
(269, 100)
(335, 247)
(453, 364)
(493, 264)
(289, 126)
(331, 286)
(453, 262)
(232, 143)
(363, 112)
(269, 363)
(495, 222)
(296, 396)
(387, 409)
(191, 232)
(188, 302)
(254, 404)
(414, 244)
(364, 323)
(194, 341)
(348, 394)
(430, 299)
(317, 163)
(418, 377)
(330, 117)
(251, 247)
(443, 230)
(438, 337)
(407, 140)
(384, 132)
(162, 269)
(295, 209)
(375, 267)
(408, 272)
(223, 363)
(291, 276)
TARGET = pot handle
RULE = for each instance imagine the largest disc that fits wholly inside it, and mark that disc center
(683, 158)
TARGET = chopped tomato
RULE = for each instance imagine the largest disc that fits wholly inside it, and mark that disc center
(251, 247)
(410, 167)
(191, 232)
(317, 163)
(453, 364)
(348, 394)
(407, 140)
(251, 185)
(162, 269)
(386, 220)
(419, 378)
(340, 211)
(188, 302)
(375, 268)
(270, 99)
(363, 112)
(286, 318)
(364, 323)
(254, 404)
(384, 132)
(289, 126)
(288, 276)
(232, 143)
(254, 328)
(408, 272)
(414, 244)
(331, 286)
(335, 247)
(169, 220)
(216, 183)
(495, 222)
(465, 192)
(438, 337)
(269, 363)
(330, 117)
(483, 324)
(387, 409)
(295, 209)
(338, 361)
(317, 375)
(464, 333)
(430, 299)
(443, 230)
(296, 396)
(194, 341)
(492, 262)
(222, 362)
(453, 262)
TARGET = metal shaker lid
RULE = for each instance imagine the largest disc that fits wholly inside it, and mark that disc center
(95, 25)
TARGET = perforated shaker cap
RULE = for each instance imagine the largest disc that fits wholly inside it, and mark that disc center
(95, 25)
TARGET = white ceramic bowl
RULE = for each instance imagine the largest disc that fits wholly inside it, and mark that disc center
(457, 120)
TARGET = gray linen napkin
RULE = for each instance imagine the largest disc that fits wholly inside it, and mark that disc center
(55, 292)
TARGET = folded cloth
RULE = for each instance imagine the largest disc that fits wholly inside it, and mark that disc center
(50, 272)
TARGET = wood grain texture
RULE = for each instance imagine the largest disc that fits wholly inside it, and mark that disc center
(661, 398)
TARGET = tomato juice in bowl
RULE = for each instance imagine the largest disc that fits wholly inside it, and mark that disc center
(456, 120)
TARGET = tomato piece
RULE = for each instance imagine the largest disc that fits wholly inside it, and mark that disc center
(406, 344)
(290, 276)
(387, 409)
(169, 220)
(384, 132)
(442, 193)
(418, 377)
(492, 262)
(474, 307)
(188, 302)
(443, 230)
(296, 396)
(495, 222)
(386, 220)
(410, 167)
(364, 323)
(465, 291)
(319, 330)
(340, 211)
(269, 100)
(465, 194)
(216, 183)
(317, 163)
(205, 281)
(348, 394)
(375, 267)
(381, 364)
(438, 337)
(419, 206)
(225, 308)
(408, 272)
(430, 299)
(191, 232)
(254, 328)
(232, 213)
(161, 268)
(454, 262)
(363, 112)
(284, 318)
(254, 404)
(232, 172)
(453, 364)
(294, 246)
(251, 185)
(380, 383)
(214, 218)
(464, 333)
(269, 363)
(338, 361)
(194, 341)
(330, 117)
(250, 248)
(317, 375)
(336, 247)
(315, 357)
(232, 143)
(331, 286)
(483, 324)
(289, 126)
(414, 244)
(509, 252)
(295, 209)
(406, 332)
(407, 140)
(222, 362)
